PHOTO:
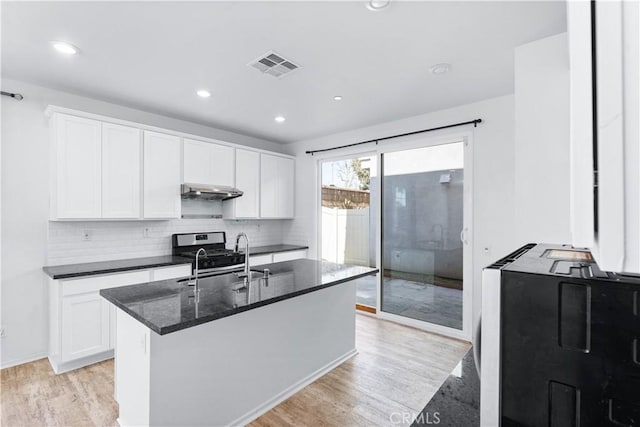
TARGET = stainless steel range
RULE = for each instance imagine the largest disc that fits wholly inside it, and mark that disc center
(217, 258)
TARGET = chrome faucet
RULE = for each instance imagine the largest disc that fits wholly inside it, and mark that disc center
(246, 275)
(195, 281)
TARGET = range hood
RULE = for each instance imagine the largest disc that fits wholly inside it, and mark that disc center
(209, 192)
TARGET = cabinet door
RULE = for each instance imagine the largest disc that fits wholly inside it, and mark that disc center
(277, 186)
(247, 180)
(77, 165)
(268, 186)
(121, 171)
(161, 175)
(207, 163)
(223, 165)
(85, 326)
(286, 196)
(197, 162)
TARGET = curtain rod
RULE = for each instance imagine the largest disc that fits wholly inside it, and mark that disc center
(12, 95)
(473, 122)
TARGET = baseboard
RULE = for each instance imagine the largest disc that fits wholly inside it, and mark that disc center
(61, 368)
(22, 361)
(290, 391)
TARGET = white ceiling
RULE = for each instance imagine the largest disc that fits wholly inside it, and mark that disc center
(155, 55)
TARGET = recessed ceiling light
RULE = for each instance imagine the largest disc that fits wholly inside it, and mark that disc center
(440, 68)
(203, 93)
(63, 47)
(376, 5)
(279, 119)
(337, 98)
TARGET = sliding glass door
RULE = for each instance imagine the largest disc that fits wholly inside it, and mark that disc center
(422, 232)
(347, 219)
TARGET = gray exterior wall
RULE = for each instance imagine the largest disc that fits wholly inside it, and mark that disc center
(421, 231)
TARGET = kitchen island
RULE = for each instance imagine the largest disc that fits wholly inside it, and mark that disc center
(223, 356)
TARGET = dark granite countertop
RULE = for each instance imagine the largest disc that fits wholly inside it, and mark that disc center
(457, 401)
(105, 267)
(272, 249)
(170, 305)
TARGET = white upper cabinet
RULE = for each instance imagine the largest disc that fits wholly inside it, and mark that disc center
(77, 167)
(121, 171)
(247, 173)
(161, 167)
(109, 169)
(207, 163)
(277, 186)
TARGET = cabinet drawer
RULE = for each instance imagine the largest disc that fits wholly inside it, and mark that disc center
(288, 256)
(172, 272)
(260, 259)
(95, 283)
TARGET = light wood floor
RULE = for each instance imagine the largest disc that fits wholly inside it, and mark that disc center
(397, 369)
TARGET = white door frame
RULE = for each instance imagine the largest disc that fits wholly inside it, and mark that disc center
(407, 143)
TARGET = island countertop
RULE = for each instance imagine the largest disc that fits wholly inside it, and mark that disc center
(171, 305)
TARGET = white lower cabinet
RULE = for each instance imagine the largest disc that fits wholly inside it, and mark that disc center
(82, 323)
(85, 326)
(261, 259)
(289, 255)
(173, 272)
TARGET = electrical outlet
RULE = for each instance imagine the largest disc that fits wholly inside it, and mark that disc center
(145, 232)
(3, 332)
(86, 235)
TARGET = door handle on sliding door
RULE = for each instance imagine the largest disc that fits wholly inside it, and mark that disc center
(463, 236)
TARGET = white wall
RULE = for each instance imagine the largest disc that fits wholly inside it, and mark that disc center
(493, 173)
(542, 141)
(25, 193)
(520, 164)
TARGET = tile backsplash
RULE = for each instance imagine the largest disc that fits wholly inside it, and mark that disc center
(89, 241)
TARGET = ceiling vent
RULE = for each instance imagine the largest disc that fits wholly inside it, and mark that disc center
(274, 64)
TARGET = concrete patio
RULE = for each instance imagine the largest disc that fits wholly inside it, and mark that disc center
(421, 301)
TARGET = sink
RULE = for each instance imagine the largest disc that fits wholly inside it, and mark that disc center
(278, 284)
(221, 274)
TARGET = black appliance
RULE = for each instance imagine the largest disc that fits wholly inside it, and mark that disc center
(560, 341)
(217, 258)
